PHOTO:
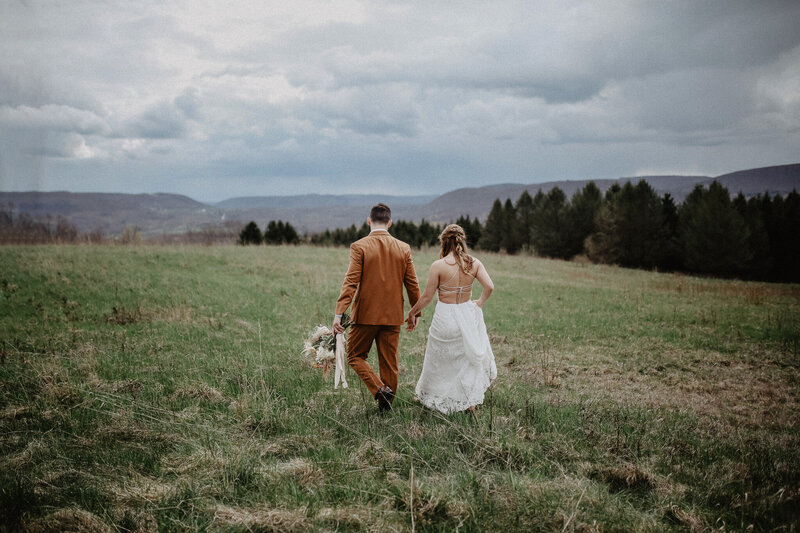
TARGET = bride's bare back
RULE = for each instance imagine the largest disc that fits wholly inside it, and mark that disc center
(453, 284)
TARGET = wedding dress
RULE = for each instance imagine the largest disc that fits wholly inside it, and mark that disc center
(459, 364)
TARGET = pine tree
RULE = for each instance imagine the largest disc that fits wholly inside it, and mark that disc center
(474, 234)
(362, 231)
(405, 231)
(580, 218)
(760, 264)
(272, 235)
(605, 244)
(510, 240)
(713, 233)
(630, 228)
(250, 234)
(548, 230)
(492, 235)
(782, 222)
(322, 239)
(289, 235)
(671, 258)
(791, 266)
(350, 235)
(427, 234)
(525, 220)
(647, 229)
(472, 228)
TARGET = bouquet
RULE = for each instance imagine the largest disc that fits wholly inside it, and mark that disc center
(322, 346)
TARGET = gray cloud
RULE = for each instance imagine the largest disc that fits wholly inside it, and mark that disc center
(188, 102)
(68, 146)
(404, 97)
(164, 120)
(53, 118)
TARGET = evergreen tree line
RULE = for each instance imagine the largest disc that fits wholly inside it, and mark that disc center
(631, 226)
(279, 232)
(416, 235)
(340, 236)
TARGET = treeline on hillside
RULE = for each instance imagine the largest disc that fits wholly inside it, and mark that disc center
(26, 229)
(631, 226)
(225, 232)
(279, 232)
(23, 228)
(416, 235)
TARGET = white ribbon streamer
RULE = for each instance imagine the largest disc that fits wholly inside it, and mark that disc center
(341, 356)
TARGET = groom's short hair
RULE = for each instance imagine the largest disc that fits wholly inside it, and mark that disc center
(380, 213)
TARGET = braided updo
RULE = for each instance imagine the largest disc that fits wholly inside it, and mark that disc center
(454, 240)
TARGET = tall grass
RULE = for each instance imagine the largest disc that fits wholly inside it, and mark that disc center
(150, 388)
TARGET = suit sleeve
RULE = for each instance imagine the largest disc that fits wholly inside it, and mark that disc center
(410, 280)
(351, 279)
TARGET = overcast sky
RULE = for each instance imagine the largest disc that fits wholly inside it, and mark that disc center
(222, 99)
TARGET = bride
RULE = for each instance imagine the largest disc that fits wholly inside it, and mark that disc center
(459, 364)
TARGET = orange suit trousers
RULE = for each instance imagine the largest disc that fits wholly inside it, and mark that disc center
(359, 343)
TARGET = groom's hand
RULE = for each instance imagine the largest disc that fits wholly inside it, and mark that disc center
(337, 325)
(411, 322)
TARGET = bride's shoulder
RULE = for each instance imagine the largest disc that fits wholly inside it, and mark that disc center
(476, 264)
(440, 265)
(437, 263)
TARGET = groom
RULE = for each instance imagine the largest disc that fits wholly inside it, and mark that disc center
(380, 266)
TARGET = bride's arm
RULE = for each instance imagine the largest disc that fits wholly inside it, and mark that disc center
(427, 295)
(483, 278)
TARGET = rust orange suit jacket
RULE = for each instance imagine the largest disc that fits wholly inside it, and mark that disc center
(380, 266)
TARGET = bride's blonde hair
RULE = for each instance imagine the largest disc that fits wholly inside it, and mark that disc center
(454, 240)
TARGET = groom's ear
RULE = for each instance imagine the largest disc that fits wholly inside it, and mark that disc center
(389, 224)
(369, 221)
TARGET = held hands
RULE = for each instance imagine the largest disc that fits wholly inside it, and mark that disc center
(412, 321)
(337, 325)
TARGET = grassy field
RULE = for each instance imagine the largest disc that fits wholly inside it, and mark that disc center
(155, 388)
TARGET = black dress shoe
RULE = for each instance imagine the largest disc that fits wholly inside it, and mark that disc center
(385, 395)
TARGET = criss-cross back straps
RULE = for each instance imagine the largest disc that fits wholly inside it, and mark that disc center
(459, 290)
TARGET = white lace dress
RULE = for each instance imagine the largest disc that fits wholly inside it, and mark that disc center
(459, 364)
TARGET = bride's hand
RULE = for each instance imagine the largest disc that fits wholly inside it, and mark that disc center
(478, 303)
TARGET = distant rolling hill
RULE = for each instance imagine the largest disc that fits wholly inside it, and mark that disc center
(315, 212)
(320, 200)
(780, 179)
(171, 213)
(151, 213)
(477, 202)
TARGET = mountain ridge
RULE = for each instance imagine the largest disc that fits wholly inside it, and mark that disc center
(319, 200)
(165, 213)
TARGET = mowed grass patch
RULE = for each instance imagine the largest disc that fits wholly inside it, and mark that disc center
(154, 387)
